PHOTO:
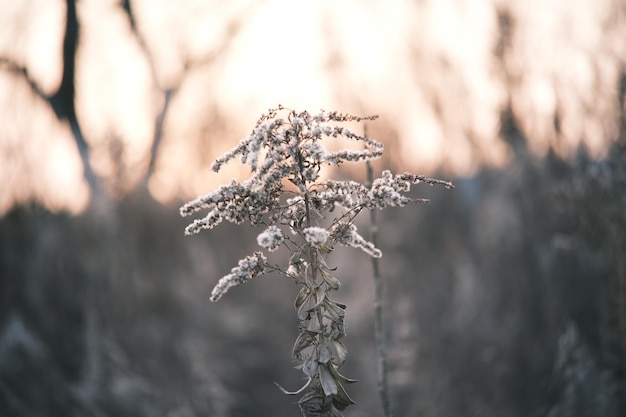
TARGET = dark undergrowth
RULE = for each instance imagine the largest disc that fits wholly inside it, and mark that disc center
(506, 297)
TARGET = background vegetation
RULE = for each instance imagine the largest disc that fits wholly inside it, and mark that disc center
(505, 297)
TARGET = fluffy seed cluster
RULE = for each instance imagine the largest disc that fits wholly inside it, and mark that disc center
(346, 234)
(316, 236)
(270, 238)
(292, 148)
(289, 147)
(277, 149)
(384, 192)
(249, 267)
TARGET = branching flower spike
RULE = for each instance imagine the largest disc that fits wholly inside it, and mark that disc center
(308, 216)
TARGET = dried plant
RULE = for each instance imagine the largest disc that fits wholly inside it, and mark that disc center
(308, 215)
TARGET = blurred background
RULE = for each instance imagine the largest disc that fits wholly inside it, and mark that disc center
(504, 297)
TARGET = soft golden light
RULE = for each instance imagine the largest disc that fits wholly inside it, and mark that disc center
(439, 73)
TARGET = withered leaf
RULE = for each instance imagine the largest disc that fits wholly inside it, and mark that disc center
(310, 365)
(342, 399)
(302, 342)
(327, 381)
(324, 353)
(340, 378)
(339, 352)
(331, 280)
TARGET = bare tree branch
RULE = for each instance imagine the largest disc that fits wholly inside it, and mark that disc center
(232, 30)
(62, 101)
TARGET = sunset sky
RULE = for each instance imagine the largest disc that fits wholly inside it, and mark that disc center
(439, 73)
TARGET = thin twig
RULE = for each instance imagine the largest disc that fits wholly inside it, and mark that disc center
(379, 326)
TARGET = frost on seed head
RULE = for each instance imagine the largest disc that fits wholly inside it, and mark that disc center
(285, 153)
(316, 236)
(248, 268)
(346, 234)
(270, 238)
(290, 146)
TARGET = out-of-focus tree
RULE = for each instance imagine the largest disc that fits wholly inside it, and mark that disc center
(151, 91)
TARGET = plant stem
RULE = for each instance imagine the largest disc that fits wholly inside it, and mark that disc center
(307, 203)
(379, 326)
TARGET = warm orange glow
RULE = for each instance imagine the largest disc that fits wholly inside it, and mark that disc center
(38, 161)
(31, 34)
(439, 73)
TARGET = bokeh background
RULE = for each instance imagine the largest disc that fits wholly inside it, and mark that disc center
(504, 297)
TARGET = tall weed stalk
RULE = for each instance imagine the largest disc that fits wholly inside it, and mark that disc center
(305, 213)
